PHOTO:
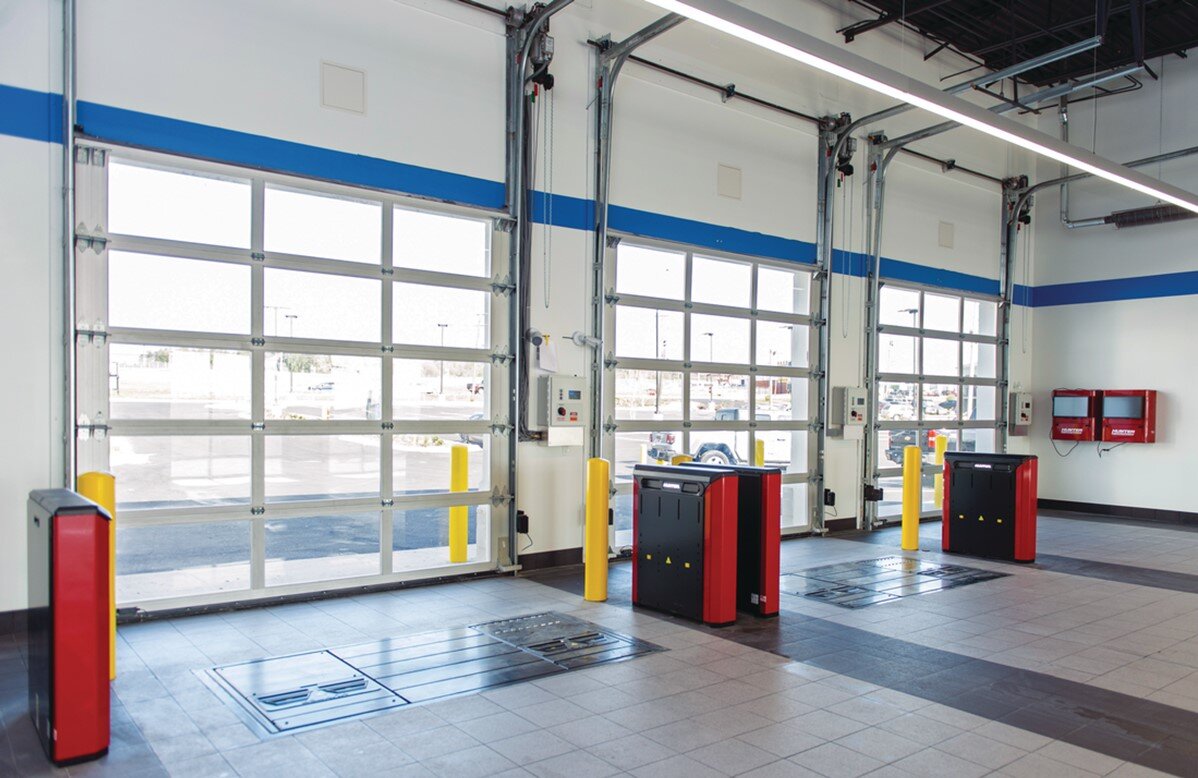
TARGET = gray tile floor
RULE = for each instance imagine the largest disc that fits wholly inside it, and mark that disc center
(713, 704)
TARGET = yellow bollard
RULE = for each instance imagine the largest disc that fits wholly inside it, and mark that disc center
(100, 488)
(759, 452)
(938, 479)
(459, 515)
(912, 491)
(594, 552)
(678, 459)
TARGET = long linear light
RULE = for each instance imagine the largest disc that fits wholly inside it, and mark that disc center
(793, 44)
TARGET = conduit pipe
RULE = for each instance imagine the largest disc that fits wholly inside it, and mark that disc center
(70, 369)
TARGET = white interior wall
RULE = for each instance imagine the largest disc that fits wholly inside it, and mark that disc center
(1125, 344)
(435, 99)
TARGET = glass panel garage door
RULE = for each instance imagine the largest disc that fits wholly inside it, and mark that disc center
(710, 356)
(937, 375)
(277, 372)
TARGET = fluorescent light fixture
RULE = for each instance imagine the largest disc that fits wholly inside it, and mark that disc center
(793, 44)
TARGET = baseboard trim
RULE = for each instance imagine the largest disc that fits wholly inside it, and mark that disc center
(12, 622)
(1121, 511)
(543, 559)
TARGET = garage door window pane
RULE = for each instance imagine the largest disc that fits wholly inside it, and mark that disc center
(319, 387)
(444, 244)
(981, 360)
(420, 537)
(166, 382)
(978, 403)
(643, 333)
(718, 396)
(321, 467)
(794, 506)
(941, 401)
(897, 354)
(167, 293)
(181, 560)
(324, 547)
(318, 225)
(897, 402)
(783, 291)
(318, 305)
(786, 449)
(941, 313)
(719, 339)
(981, 441)
(720, 448)
(431, 389)
(643, 448)
(180, 470)
(781, 398)
(941, 357)
(898, 307)
(650, 272)
(440, 316)
(721, 283)
(175, 205)
(422, 461)
(648, 395)
(981, 317)
(781, 345)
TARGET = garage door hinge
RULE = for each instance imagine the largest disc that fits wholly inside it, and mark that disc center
(257, 341)
(501, 356)
(503, 286)
(613, 241)
(499, 497)
(95, 334)
(686, 424)
(611, 298)
(257, 256)
(610, 361)
(84, 241)
(504, 225)
(387, 271)
(90, 155)
(502, 426)
(387, 425)
(387, 349)
(85, 428)
(257, 511)
(258, 426)
(610, 427)
(387, 503)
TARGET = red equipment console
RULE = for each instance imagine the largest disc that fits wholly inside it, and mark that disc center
(1076, 414)
(990, 505)
(684, 527)
(68, 625)
(758, 537)
(1129, 416)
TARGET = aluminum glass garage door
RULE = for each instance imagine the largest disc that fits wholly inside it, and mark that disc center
(276, 371)
(937, 375)
(709, 355)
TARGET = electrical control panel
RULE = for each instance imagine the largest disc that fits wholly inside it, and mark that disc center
(563, 401)
(1019, 412)
(849, 404)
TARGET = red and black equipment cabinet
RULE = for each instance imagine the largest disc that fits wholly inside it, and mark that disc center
(1076, 414)
(684, 526)
(758, 536)
(68, 624)
(990, 505)
(1129, 416)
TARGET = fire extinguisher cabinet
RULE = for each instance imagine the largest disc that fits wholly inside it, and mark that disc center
(68, 624)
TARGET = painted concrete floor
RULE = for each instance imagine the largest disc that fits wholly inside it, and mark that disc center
(1083, 664)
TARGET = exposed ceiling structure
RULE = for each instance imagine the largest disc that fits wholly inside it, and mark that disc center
(999, 33)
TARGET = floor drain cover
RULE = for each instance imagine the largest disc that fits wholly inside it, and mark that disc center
(565, 640)
(285, 694)
(860, 584)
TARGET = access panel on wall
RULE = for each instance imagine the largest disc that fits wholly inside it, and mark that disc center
(708, 357)
(277, 372)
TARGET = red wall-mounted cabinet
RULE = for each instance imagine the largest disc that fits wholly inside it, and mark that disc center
(1129, 416)
(1076, 414)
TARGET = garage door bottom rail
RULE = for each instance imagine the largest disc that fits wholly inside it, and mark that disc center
(302, 691)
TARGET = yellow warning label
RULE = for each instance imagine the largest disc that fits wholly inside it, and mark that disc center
(687, 565)
(981, 518)
(961, 516)
(999, 521)
(668, 562)
(648, 556)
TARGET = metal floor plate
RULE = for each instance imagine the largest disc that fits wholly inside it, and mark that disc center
(873, 581)
(290, 693)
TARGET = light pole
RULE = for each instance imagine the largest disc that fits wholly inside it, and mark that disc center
(441, 391)
(710, 376)
(275, 317)
(291, 317)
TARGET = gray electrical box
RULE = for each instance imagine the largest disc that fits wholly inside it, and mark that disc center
(1019, 412)
(562, 410)
(847, 417)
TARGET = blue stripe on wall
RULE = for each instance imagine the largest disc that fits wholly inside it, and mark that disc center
(199, 140)
(25, 113)
(1138, 288)
(36, 115)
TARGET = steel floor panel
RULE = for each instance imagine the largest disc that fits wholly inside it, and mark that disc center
(285, 694)
(874, 581)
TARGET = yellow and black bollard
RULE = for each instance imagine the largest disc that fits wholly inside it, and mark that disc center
(459, 515)
(594, 551)
(100, 488)
(912, 496)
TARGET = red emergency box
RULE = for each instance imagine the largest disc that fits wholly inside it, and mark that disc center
(758, 537)
(1129, 415)
(68, 624)
(684, 529)
(990, 505)
(1076, 414)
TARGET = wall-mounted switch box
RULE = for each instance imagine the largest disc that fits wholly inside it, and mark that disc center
(1019, 412)
(847, 417)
